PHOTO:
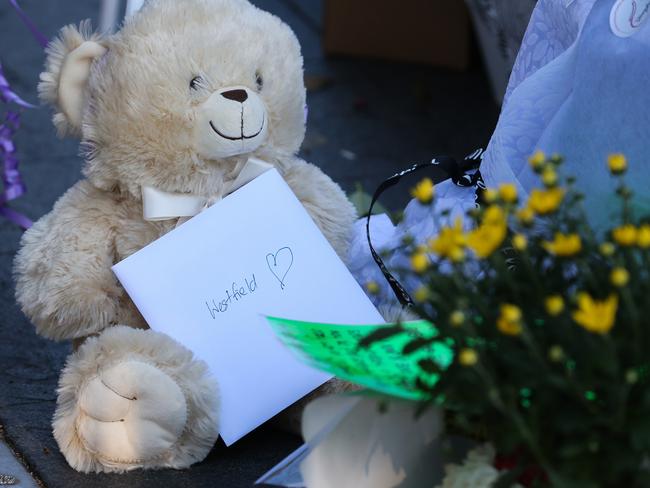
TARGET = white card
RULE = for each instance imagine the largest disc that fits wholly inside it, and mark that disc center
(209, 282)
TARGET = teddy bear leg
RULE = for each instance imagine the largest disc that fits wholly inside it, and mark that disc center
(132, 399)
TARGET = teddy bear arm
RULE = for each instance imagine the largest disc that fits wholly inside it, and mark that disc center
(64, 281)
(325, 202)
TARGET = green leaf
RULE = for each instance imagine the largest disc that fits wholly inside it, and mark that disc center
(571, 450)
(640, 433)
(509, 478)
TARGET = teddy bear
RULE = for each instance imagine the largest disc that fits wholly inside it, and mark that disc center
(177, 101)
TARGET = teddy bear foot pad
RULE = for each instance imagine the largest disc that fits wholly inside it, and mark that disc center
(133, 399)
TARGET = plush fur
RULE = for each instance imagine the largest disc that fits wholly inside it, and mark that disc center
(138, 99)
(81, 423)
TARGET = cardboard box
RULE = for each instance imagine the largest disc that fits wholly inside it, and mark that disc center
(422, 31)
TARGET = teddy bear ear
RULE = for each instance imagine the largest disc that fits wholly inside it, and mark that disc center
(67, 69)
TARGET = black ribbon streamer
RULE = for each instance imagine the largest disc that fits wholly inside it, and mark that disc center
(457, 172)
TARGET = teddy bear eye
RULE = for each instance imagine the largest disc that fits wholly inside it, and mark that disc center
(196, 82)
(259, 81)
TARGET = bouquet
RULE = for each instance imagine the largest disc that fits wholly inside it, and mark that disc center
(548, 322)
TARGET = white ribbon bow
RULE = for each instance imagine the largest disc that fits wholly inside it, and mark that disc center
(160, 205)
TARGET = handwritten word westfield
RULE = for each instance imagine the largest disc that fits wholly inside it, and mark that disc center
(233, 295)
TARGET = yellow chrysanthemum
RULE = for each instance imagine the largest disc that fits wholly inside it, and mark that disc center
(643, 236)
(468, 357)
(525, 215)
(619, 277)
(547, 201)
(424, 191)
(419, 262)
(554, 305)
(450, 242)
(372, 287)
(494, 214)
(631, 376)
(556, 353)
(457, 255)
(490, 195)
(564, 245)
(457, 318)
(549, 176)
(520, 242)
(509, 322)
(594, 315)
(488, 236)
(607, 249)
(422, 293)
(508, 192)
(537, 160)
(617, 163)
(625, 235)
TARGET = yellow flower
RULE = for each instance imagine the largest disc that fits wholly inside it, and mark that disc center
(631, 376)
(424, 191)
(537, 160)
(494, 214)
(625, 235)
(564, 245)
(490, 195)
(619, 277)
(545, 201)
(468, 357)
(457, 255)
(419, 262)
(511, 313)
(508, 192)
(556, 354)
(549, 176)
(596, 316)
(488, 236)
(450, 242)
(509, 322)
(607, 249)
(421, 248)
(421, 294)
(525, 215)
(372, 287)
(554, 305)
(643, 236)
(617, 164)
(457, 318)
(520, 242)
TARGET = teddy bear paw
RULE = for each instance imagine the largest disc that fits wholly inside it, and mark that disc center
(133, 399)
(130, 414)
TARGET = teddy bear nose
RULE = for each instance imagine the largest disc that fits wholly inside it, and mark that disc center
(237, 95)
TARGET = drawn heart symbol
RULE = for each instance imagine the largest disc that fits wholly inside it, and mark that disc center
(280, 263)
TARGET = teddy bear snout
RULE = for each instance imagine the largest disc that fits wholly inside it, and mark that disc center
(231, 122)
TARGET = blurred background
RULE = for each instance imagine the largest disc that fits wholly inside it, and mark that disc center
(389, 84)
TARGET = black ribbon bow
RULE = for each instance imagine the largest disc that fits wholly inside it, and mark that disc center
(457, 172)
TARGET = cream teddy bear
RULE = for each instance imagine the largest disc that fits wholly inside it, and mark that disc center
(178, 100)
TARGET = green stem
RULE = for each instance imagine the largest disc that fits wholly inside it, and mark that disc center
(510, 411)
